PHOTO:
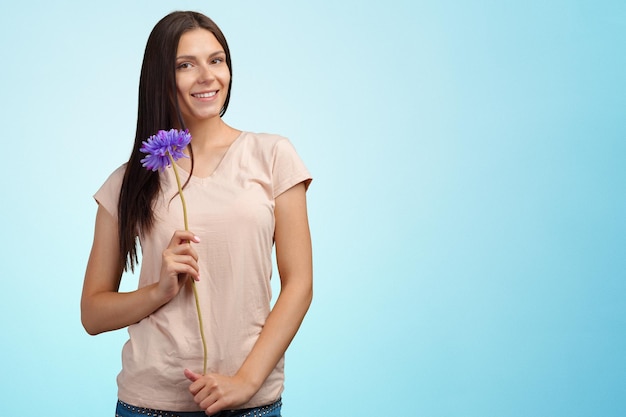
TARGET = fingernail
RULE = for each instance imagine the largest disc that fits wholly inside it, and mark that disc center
(196, 239)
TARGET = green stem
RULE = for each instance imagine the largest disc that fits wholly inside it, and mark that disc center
(193, 283)
(204, 353)
(180, 190)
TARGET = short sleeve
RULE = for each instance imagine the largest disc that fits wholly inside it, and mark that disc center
(288, 169)
(109, 193)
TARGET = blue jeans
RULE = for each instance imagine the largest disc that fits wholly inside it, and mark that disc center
(127, 410)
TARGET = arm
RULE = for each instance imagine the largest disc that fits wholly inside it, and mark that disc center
(103, 308)
(293, 256)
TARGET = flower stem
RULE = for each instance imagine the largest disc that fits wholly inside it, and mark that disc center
(180, 191)
(193, 283)
(204, 352)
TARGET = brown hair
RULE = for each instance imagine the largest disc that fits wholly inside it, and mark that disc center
(158, 109)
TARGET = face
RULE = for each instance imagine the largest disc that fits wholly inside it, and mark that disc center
(202, 76)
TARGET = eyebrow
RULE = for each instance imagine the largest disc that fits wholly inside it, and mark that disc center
(194, 57)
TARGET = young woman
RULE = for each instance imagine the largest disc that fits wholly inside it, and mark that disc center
(245, 193)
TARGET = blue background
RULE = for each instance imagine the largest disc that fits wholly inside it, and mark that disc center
(467, 209)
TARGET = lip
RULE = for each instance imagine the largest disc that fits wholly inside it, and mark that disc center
(205, 95)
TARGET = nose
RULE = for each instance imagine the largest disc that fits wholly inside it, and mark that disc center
(206, 74)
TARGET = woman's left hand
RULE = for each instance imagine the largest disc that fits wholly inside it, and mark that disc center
(215, 392)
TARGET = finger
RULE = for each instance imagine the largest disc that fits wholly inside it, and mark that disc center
(182, 259)
(191, 375)
(191, 252)
(193, 270)
(184, 236)
(182, 249)
(198, 387)
(185, 271)
(183, 277)
(210, 404)
(214, 407)
(175, 263)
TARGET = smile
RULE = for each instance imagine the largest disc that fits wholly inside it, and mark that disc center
(205, 95)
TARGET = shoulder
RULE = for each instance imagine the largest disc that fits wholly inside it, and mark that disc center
(268, 145)
(108, 193)
(277, 154)
(116, 177)
(263, 140)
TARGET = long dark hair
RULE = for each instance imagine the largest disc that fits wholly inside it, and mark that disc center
(158, 109)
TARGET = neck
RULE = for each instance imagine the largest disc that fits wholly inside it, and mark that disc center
(210, 133)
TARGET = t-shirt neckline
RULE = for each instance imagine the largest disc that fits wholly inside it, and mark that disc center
(226, 156)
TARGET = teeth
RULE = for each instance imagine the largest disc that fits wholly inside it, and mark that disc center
(205, 95)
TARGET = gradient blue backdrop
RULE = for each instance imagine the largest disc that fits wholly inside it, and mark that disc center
(467, 209)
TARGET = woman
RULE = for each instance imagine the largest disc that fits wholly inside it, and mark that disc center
(244, 193)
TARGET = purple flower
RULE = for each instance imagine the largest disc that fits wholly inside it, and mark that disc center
(158, 147)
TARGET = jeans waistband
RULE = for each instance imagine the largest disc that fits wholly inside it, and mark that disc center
(248, 412)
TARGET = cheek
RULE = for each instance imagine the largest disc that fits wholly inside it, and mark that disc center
(181, 93)
(182, 84)
(180, 97)
(225, 77)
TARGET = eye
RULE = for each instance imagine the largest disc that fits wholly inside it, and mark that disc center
(184, 65)
(217, 60)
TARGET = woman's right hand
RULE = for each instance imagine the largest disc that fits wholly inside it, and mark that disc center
(179, 262)
(103, 307)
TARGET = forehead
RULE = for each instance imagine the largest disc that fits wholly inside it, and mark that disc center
(198, 41)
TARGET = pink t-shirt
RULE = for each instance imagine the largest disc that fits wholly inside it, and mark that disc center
(232, 211)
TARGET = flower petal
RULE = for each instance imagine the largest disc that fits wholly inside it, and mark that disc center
(158, 146)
